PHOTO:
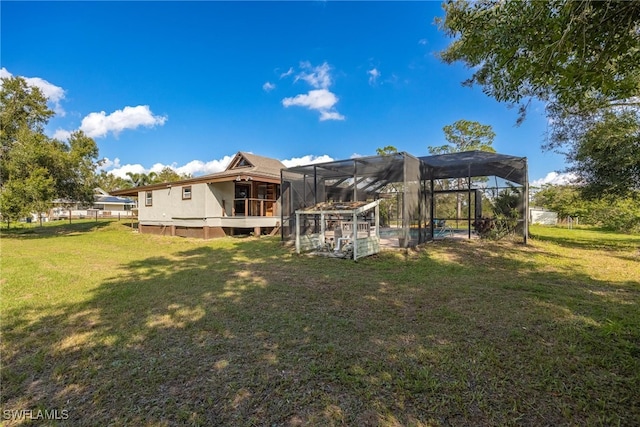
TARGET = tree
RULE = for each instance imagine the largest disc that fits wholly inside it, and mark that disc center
(576, 53)
(140, 179)
(582, 58)
(39, 191)
(12, 205)
(37, 169)
(386, 150)
(463, 135)
(566, 200)
(505, 208)
(167, 174)
(466, 135)
(77, 179)
(613, 213)
(30, 167)
(607, 155)
(109, 182)
(23, 107)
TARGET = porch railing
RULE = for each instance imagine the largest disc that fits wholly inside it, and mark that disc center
(254, 207)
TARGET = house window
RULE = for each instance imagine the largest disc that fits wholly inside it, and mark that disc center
(148, 198)
(186, 193)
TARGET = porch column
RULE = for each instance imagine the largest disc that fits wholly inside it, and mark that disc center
(355, 236)
(297, 232)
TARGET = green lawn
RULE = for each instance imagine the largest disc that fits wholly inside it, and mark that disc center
(119, 328)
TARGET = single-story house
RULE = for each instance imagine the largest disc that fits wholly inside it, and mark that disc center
(260, 195)
(243, 198)
(104, 205)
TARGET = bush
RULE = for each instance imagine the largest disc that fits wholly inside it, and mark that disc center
(505, 215)
(621, 215)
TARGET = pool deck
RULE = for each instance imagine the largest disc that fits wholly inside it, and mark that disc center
(389, 238)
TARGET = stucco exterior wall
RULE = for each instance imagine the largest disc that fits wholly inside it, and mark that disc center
(222, 194)
(195, 207)
(204, 209)
(206, 202)
(160, 208)
(167, 204)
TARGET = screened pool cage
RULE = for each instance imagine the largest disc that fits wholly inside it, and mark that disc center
(416, 198)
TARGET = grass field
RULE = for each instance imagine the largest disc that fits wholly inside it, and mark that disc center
(109, 327)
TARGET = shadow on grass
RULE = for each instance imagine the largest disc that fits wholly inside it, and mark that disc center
(458, 334)
(588, 239)
(55, 229)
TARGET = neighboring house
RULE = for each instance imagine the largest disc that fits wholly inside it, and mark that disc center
(243, 198)
(104, 206)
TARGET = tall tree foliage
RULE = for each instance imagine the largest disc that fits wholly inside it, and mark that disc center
(462, 135)
(109, 182)
(466, 135)
(37, 169)
(613, 213)
(607, 155)
(386, 150)
(22, 107)
(140, 179)
(582, 58)
(169, 175)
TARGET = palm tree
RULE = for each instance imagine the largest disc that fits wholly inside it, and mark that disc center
(140, 179)
(134, 178)
(148, 178)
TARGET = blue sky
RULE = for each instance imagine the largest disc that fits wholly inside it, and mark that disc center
(188, 84)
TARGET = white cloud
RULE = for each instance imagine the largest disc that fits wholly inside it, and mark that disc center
(61, 134)
(309, 159)
(121, 171)
(97, 125)
(268, 87)
(423, 42)
(373, 76)
(94, 124)
(330, 115)
(319, 99)
(193, 168)
(198, 167)
(53, 93)
(107, 163)
(318, 77)
(356, 156)
(287, 74)
(555, 178)
(157, 167)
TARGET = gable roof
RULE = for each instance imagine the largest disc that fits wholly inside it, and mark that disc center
(249, 162)
(242, 166)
